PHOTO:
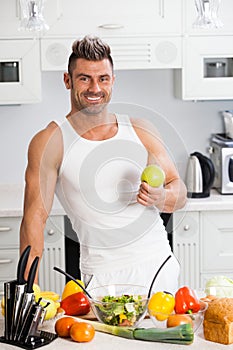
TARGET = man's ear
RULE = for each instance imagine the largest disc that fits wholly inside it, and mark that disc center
(67, 80)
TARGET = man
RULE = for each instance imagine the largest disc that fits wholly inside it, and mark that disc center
(93, 162)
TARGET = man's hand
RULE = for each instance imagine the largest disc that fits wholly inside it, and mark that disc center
(151, 196)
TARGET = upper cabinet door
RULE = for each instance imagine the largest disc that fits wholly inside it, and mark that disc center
(224, 15)
(104, 18)
(207, 72)
(20, 72)
(10, 18)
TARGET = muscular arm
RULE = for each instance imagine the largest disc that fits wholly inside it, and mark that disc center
(41, 176)
(173, 194)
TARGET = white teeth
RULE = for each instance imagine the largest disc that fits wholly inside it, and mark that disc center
(93, 98)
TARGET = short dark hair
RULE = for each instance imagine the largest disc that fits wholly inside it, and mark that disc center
(91, 49)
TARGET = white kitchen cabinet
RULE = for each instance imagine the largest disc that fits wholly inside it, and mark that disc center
(127, 53)
(224, 14)
(9, 249)
(118, 18)
(141, 36)
(54, 252)
(216, 242)
(203, 244)
(207, 72)
(10, 18)
(20, 71)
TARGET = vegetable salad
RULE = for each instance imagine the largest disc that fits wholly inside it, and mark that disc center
(120, 311)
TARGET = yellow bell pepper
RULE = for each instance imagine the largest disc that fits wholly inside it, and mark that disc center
(122, 317)
(161, 305)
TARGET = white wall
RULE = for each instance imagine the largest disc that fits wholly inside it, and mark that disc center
(146, 92)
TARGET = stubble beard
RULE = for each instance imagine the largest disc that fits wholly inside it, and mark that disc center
(91, 109)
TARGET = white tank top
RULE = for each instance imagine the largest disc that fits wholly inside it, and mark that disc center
(97, 186)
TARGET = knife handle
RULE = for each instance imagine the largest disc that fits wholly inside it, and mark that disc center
(22, 265)
(32, 274)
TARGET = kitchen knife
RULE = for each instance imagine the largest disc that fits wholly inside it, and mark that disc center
(28, 297)
(9, 293)
(19, 288)
(38, 317)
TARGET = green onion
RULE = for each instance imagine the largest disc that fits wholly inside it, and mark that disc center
(182, 334)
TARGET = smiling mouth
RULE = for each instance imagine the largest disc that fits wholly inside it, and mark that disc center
(94, 99)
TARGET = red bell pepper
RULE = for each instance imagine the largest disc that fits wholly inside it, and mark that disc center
(76, 304)
(186, 301)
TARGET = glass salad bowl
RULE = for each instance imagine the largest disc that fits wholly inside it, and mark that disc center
(119, 305)
(162, 320)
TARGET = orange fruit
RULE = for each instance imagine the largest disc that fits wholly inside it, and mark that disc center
(82, 332)
(63, 326)
(71, 288)
(177, 319)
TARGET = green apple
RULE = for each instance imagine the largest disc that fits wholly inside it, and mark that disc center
(153, 175)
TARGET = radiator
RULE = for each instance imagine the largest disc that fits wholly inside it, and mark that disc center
(188, 256)
(186, 246)
(48, 278)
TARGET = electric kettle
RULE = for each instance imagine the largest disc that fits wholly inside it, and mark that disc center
(199, 176)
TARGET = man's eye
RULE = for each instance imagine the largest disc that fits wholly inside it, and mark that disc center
(104, 79)
(84, 79)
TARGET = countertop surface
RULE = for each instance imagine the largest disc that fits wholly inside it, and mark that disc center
(11, 202)
(103, 341)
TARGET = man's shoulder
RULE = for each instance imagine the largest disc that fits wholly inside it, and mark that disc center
(49, 138)
(44, 134)
(144, 127)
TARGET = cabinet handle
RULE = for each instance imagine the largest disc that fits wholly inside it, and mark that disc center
(161, 8)
(186, 227)
(51, 232)
(111, 26)
(5, 229)
(5, 261)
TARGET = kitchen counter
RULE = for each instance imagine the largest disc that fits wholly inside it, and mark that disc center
(11, 202)
(105, 342)
(215, 201)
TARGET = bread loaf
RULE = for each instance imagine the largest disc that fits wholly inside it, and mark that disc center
(218, 321)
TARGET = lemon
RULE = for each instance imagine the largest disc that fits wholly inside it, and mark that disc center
(36, 289)
(47, 294)
(3, 306)
(3, 302)
(51, 309)
(71, 288)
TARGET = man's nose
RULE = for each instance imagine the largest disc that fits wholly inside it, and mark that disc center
(94, 86)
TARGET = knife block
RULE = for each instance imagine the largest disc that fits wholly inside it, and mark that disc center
(44, 339)
(28, 340)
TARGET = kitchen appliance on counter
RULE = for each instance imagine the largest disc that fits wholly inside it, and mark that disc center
(228, 123)
(221, 153)
(199, 176)
(23, 314)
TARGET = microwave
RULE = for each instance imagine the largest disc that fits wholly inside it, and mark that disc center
(20, 72)
(222, 157)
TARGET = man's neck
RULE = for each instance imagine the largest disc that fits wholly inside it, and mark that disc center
(94, 127)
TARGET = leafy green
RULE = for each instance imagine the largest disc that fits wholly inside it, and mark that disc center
(221, 286)
(114, 310)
